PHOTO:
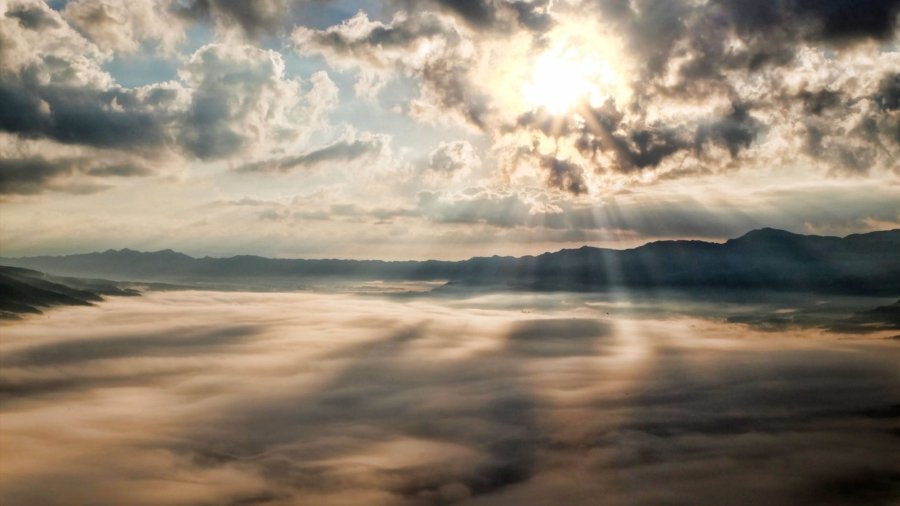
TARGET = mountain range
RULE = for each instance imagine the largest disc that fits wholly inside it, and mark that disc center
(764, 259)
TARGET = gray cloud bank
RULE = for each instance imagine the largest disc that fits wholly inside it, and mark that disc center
(277, 399)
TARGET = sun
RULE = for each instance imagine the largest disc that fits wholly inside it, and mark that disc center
(564, 77)
(579, 63)
(575, 64)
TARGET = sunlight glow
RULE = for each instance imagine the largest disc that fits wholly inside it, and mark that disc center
(564, 76)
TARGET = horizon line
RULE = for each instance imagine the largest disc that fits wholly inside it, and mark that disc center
(585, 246)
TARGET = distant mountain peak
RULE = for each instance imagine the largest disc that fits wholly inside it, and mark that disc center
(128, 252)
(768, 232)
(768, 235)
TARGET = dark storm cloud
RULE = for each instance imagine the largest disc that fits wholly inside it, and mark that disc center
(341, 151)
(437, 402)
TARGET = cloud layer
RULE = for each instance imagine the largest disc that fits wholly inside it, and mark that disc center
(229, 398)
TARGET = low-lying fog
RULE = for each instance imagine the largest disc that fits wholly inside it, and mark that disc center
(202, 398)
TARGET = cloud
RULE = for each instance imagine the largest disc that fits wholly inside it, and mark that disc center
(494, 14)
(340, 151)
(231, 97)
(251, 18)
(453, 157)
(381, 44)
(85, 350)
(832, 21)
(31, 17)
(54, 87)
(112, 118)
(888, 96)
(126, 26)
(705, 87)
(230, 398)
(735, 131)
(27, 176)
(492, 209)
(427, 47)
(564, 175)
(242, 99)
(673, 215)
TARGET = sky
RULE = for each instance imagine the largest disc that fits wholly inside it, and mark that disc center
(403, 129)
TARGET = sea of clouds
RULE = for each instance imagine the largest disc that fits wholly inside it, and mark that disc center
(199, 398)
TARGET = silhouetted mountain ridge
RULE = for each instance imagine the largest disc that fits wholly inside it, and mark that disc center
(763, 259)
(28, 291)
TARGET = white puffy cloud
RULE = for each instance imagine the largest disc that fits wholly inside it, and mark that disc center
(242, 101)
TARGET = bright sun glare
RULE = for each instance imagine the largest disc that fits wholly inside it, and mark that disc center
(563, 77)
